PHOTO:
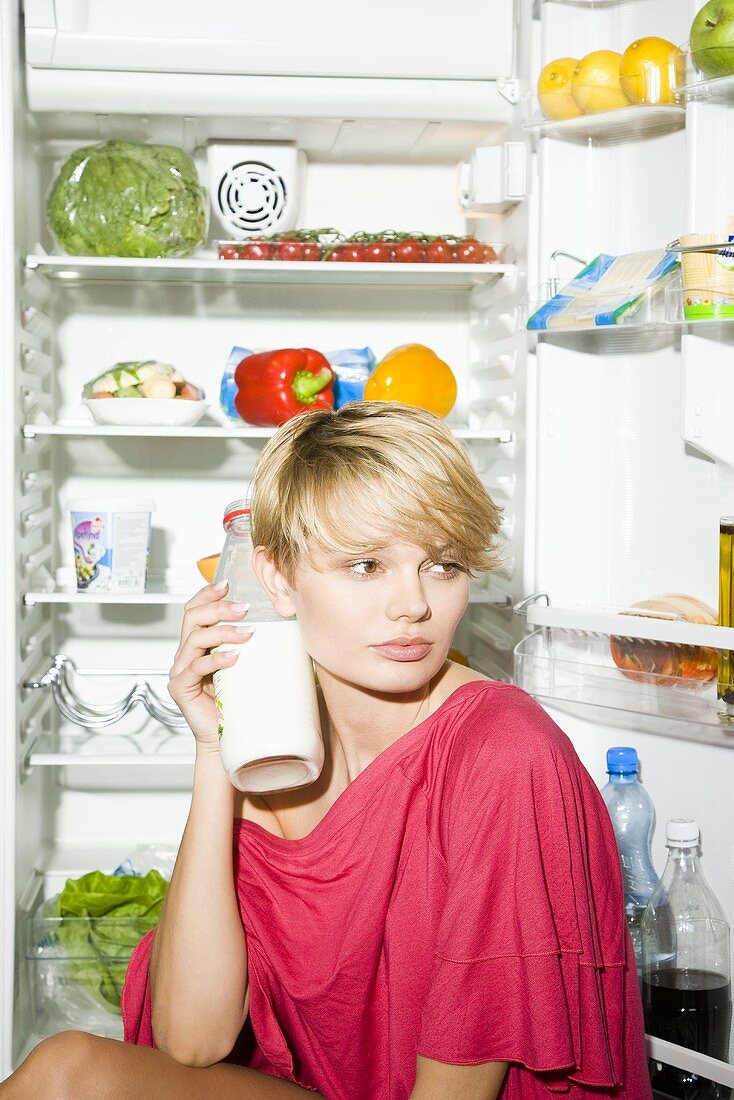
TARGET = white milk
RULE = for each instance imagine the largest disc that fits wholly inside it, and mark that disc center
(268, 710)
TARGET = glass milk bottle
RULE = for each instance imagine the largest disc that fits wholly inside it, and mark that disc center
(269, 727)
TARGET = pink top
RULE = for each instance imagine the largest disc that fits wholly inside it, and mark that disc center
(462, 899)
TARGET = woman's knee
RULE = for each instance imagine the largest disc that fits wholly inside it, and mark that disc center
(56, 1066)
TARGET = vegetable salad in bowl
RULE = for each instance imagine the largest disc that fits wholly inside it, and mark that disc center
(165, 397)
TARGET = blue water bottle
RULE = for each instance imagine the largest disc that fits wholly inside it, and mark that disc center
(633, 815)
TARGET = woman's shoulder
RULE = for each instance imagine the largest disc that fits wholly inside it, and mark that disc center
(498, 711)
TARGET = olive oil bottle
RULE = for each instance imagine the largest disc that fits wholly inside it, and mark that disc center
(725, 691)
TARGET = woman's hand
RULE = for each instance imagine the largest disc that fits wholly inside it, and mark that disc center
(209, 620)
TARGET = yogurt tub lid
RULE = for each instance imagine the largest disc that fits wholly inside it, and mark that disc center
(110, 504)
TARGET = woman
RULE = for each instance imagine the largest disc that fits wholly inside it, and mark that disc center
(439, 916)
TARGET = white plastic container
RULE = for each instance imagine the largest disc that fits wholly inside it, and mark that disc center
(111, 540)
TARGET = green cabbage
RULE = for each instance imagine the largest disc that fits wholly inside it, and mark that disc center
(125, 199)
(103, 918)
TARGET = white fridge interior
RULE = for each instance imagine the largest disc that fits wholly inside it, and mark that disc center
(608, 451)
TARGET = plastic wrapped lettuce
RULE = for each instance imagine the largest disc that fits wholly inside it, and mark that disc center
(94, 925)
(125, 199)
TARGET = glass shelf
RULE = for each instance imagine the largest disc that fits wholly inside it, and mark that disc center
(612, 127)
(206, 430)
(153, 746)
(210, 269)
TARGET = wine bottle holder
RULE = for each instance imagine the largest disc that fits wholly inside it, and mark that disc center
(60, 680)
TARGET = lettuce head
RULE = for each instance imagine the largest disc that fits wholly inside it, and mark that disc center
(126, 199)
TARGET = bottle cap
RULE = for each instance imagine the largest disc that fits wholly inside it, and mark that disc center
(682, 833)
(622, 760)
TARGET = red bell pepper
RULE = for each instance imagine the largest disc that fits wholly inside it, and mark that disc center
(273, 386)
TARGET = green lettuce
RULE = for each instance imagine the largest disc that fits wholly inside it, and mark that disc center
(125, 199)
(103, 918)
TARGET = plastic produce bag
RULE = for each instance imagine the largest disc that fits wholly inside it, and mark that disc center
(125, 199)
(352, 367)
(149, 857)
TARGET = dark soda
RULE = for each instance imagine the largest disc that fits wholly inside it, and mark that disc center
(691, 1008)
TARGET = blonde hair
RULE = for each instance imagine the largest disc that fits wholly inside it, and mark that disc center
(327, 478)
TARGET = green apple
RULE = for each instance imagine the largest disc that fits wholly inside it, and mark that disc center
(712, 38)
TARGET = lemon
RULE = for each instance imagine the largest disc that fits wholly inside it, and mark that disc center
(596, 83)
(554, 89)
(648, 69)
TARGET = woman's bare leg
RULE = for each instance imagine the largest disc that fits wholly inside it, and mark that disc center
(75, 1066)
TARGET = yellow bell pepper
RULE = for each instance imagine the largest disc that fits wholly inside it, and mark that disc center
(413, 375)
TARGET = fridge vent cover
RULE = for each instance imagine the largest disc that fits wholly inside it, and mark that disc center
(254, 189)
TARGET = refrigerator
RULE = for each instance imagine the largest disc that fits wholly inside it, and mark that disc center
(609, 449)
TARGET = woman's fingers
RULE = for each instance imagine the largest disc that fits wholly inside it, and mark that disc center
(204, 638)
(208, 614)
(188, 681)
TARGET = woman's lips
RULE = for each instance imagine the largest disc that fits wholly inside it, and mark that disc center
(404, 652)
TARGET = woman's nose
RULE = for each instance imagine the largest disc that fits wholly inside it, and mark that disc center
(407, 599)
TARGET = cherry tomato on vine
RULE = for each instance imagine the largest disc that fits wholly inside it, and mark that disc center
(470, 251)
(228, 252)
(379, 252)
(490, 256)
(350, 253)
(256, 250)
(311, 250)
(440, 252)
(288, 250)
(410, 251)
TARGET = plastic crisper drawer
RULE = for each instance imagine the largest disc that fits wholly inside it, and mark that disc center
(74, 974)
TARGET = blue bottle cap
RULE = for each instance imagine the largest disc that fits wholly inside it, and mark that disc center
(622, 760)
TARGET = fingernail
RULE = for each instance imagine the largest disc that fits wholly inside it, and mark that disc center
(220, 586)
(242, 629)
(231, 655)
(240, 608)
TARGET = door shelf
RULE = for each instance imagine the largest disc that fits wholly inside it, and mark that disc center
(212, 431)
(567, 660)
(613, 127)
(72, 269)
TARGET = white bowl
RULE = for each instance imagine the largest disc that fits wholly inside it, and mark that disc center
(144, 412)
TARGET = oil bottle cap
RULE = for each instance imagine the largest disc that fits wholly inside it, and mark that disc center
(622, 760)
(682, 833)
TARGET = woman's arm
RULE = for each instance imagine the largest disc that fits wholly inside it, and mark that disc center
(198, 965)
(437, 1081)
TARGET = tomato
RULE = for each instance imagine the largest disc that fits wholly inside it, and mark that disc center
(311, 250)
(490, 256)
(470, 251)
(288, 250)
(228, 252)
(256, 250)
(102, 393)
(348, 253)
(410, 251)
(440, 252)
(379, 252)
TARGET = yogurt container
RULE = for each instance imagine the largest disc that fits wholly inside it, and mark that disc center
(111, 540)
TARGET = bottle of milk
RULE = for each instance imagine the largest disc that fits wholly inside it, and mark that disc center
(269, 727)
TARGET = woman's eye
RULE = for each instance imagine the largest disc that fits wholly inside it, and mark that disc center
(450, 568)
(367, 562)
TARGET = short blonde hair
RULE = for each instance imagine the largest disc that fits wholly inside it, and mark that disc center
(327, 478)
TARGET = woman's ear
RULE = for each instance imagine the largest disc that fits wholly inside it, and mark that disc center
(273, 582)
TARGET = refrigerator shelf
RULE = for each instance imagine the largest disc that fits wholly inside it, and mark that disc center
(157, 594)
(72, 269)
(152, 746)
(208, 431)
(613, 127)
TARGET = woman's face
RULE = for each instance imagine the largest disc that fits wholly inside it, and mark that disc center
(350, 607)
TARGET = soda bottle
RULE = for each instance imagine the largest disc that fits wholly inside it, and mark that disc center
(686, 981)
(269, 723)
(633, 815)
